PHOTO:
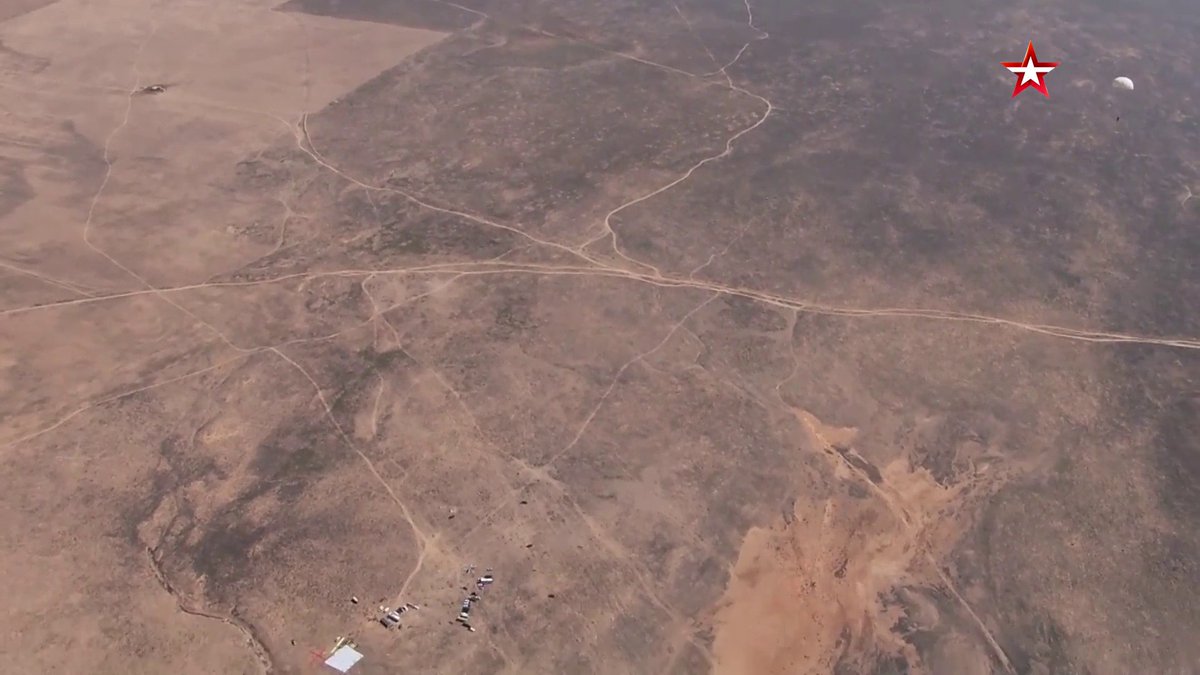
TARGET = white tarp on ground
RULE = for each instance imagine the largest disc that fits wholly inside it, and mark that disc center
(343, 659)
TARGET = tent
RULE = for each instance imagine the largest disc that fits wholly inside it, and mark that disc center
(343, 659)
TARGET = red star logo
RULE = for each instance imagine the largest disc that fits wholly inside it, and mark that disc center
(1030, 72)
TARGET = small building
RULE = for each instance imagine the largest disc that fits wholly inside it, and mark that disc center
(391, 619)
(343, 659)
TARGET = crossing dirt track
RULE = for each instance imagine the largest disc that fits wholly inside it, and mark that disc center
(749, 338)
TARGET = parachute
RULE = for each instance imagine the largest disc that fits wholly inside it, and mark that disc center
(1123, 83)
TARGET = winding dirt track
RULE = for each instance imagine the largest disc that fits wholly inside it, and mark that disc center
(625, 267)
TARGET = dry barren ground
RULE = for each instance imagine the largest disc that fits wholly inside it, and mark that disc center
(729, 345)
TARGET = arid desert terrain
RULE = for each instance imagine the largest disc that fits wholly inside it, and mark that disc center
(745, 337)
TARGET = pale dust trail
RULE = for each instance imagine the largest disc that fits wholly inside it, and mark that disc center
(47, 279)
(87, 224)
(280, 237)
(723, 70)
(607, 224)
(617, 378)
(578, 251)
(608, 231)
(431, 543)
(115, 397)
(664, 281)
(428, 544)
(587, 420)
(1062, 332)
(611, 52)
(307, 79)
(483, 16)
(417, 532)
(303, 276)
(614, 547)
(369, 320)
(762, 34)
(87, 229)
(657, 278)
(316, 155)
(243, 353)
(598, 533)
(1058, 332)
(712, 257)
(382, 314)
(291, 191)
(700, 42)
(1001, 655)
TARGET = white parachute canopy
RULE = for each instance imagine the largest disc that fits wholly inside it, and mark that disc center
(1123, 83)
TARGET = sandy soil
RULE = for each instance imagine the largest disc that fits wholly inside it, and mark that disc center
(725, 342)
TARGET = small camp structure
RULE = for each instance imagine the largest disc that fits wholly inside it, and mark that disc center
(343, 659)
